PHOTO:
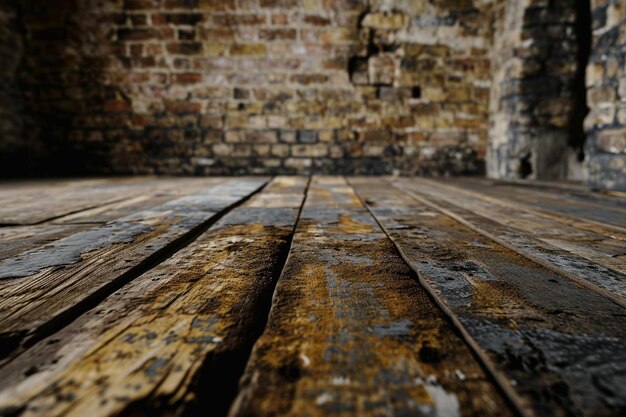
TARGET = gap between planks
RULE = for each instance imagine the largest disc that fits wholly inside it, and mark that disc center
(587, 319)
(545, 254)
(239, 225)
(500, 381)
(16, 342)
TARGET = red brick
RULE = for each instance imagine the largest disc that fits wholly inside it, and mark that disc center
(187, 78)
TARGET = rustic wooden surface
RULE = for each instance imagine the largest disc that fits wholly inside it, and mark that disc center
(43, 288)
(375, 344)
(536, 328)
(589, 260)
(323, 296)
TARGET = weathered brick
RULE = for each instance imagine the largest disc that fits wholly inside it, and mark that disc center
(239, 20)
(248, 49)
(139, 34)
(177, 18)
(216, 5)
(140, 4)
(258, 86)
(277, 34)
(184, 48)
(307, 136)
(385, 20)
(187, 78)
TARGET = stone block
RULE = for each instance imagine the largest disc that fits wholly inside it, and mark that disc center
(612, 141)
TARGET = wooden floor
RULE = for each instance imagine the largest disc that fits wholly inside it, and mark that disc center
(323, 296)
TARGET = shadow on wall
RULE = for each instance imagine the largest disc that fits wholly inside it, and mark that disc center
(229, 87)
(558, 94)
(54, 81)
(581, 109)
(14, 149)
(539, 96)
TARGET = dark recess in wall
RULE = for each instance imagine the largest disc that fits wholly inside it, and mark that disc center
(45, 64)
(579, 112)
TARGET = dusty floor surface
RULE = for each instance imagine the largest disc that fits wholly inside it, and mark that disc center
(311, 296)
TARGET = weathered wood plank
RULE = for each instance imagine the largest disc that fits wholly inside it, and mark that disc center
(174, 339)
(12, 189)
(573, 253)
(17, 239)
(572, 209)
(575, 235)
(352, 333)
(27, 205)
(154, 193)
(561, 347)
(569, 190)
(44, 288)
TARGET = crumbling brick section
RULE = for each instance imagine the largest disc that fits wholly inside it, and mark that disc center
(606, 82)
(260, 86)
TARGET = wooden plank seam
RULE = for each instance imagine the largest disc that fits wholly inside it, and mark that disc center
(605, 293)
(500, 380)
(13, 344)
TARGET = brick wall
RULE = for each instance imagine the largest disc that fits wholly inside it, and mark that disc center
(260, 86)
(606, 81)
(536, 105)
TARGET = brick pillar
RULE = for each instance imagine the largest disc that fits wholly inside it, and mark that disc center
(606, 83)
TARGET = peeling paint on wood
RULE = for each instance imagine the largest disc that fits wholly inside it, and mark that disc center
(559, 345)
(42, 285)
(600, 271)
(352, 333)
(188, 320)
(502, 301)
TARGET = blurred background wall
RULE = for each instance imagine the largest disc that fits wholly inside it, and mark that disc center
(416, 87)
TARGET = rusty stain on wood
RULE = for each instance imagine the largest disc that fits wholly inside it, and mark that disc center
(556, 343)
(351, 332)
(388, 296)
(173, 324)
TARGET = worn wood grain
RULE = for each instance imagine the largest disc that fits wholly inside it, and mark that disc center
(502, 300)
(596, 241)
(150, 194)
(17, 239)
(46, 287)
(571, 253)
(28, 204)
(352, 333)
(175, 338)
(601, 215)
(560, 347)
(567, 190)
(10, 190)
